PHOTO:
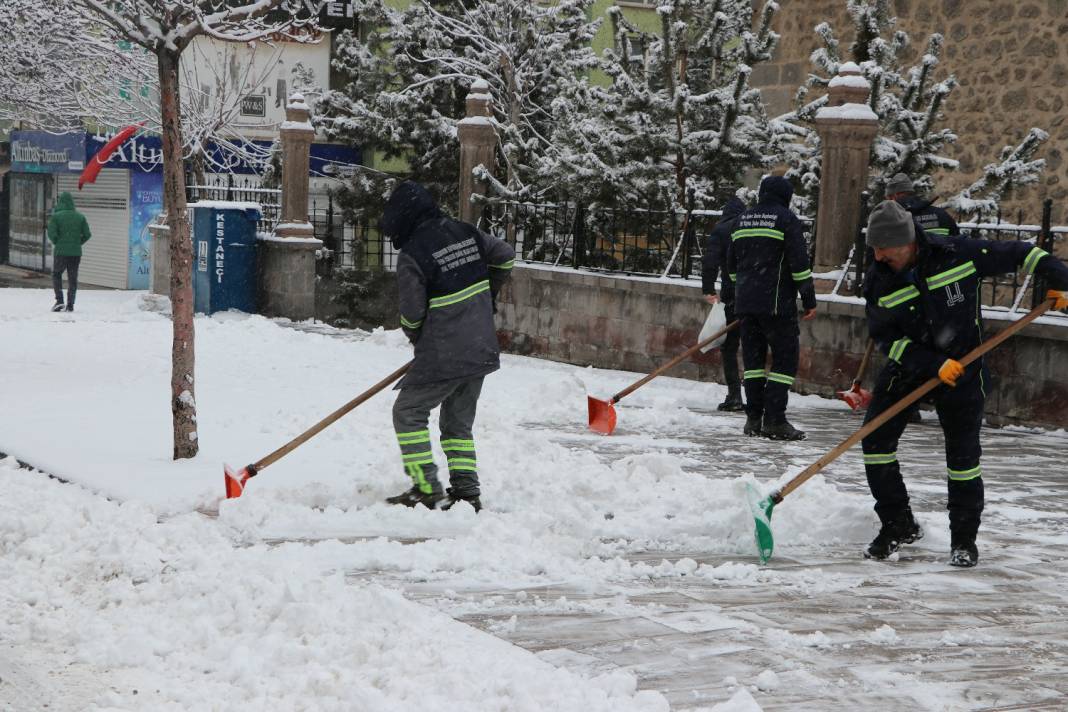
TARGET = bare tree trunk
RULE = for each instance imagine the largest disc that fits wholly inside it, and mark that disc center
(183, 402)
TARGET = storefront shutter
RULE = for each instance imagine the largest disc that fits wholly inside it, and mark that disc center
(106, 205)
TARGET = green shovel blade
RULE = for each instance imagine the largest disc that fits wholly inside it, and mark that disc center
(761, 507)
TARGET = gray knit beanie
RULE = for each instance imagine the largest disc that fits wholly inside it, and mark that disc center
(900, 183)
(890, 225)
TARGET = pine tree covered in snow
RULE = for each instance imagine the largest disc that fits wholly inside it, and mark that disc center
(1017, 167)
(408, 80)
(909, 102)
(679, 122)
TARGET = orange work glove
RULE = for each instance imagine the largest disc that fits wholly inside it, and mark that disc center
(951, 370)
(1061, 297)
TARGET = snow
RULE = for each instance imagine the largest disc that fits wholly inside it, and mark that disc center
(847, 112)
(143, 588)
(226, 205)
(849, 81)
(142, 585)
(296, 126)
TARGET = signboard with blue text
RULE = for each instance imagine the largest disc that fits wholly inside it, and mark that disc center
(145, 153)
(146, 202)
(43, 152)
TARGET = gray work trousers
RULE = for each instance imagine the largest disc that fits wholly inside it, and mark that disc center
(411, 414)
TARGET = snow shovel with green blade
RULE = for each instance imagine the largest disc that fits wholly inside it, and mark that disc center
(602, 414)
(761, 507)
(235, 481)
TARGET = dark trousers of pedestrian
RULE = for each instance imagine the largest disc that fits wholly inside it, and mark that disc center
(411, 415)
(70, 264)
(767, 391)
(728, 352)
(960, 413)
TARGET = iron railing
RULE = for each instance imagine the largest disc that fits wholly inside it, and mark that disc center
(632, 241)
(225, 187)
(347, 244)
(648, 243)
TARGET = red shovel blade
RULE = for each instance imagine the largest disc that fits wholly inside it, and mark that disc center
(235, 481)
(856, 397)
(602, 415)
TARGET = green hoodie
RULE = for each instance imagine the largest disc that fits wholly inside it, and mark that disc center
(67, 229)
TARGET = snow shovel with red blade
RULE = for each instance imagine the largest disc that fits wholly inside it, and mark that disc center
(235, 481)
(603, 413)
(856, 397)
(761, 508)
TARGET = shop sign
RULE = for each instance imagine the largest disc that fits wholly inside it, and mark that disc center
(43, 152)
(255, 105)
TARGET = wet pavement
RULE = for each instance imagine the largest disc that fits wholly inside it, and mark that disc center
(823, 629)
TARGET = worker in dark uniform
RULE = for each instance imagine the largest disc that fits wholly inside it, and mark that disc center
(933, 220)
(768, 263)
(713, 260)
(923, 312)
(448, 276)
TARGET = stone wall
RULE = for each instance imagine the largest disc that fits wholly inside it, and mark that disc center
(636, 325)
(1010, 60)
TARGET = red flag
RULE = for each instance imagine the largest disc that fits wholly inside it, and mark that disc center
(91, 170)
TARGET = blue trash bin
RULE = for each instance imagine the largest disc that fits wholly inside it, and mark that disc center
(224, 256)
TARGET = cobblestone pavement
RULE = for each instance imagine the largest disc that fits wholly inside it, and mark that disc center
(836, 632)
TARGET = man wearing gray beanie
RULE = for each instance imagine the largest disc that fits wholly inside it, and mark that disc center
(934, 221)
(922, 297)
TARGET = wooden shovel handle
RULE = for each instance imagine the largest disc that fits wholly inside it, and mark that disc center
(864, 362)
(328, 420)
(905, 402)
(675, 361)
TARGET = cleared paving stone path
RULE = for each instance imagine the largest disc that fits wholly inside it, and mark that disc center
(824, 630)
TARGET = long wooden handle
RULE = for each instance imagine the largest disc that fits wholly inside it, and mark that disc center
(864, 362)
(328, 420)
(905, 402)
(675, 361)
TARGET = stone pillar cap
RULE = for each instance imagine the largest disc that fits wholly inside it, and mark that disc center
(479, 102)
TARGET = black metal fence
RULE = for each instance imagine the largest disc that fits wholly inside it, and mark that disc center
(627, 241)
(349, 244)
(227, 187)
(644, 243)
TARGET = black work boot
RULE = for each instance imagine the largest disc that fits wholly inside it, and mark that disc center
(733, 402)
(414, 496)
(57, 307)
(752, 425)
(453, 497)
(895, 531)
(963, 551)
(782, 431)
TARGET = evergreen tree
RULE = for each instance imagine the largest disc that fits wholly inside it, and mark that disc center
(393, 104)
(409, 79)
(679, 121)
(909, 102)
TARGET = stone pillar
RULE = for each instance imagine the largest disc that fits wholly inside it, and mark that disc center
(847, 127)
(159, 281)
(287, 258)
(478, 145)
(297, 134)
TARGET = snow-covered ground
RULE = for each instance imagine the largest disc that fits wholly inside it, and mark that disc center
(604, 574)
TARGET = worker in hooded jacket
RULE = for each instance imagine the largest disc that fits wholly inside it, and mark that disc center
(448, 275)
(768, 263)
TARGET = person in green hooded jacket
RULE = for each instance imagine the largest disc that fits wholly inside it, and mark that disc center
(68, 230)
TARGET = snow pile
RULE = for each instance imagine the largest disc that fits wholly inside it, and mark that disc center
(199, 624)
